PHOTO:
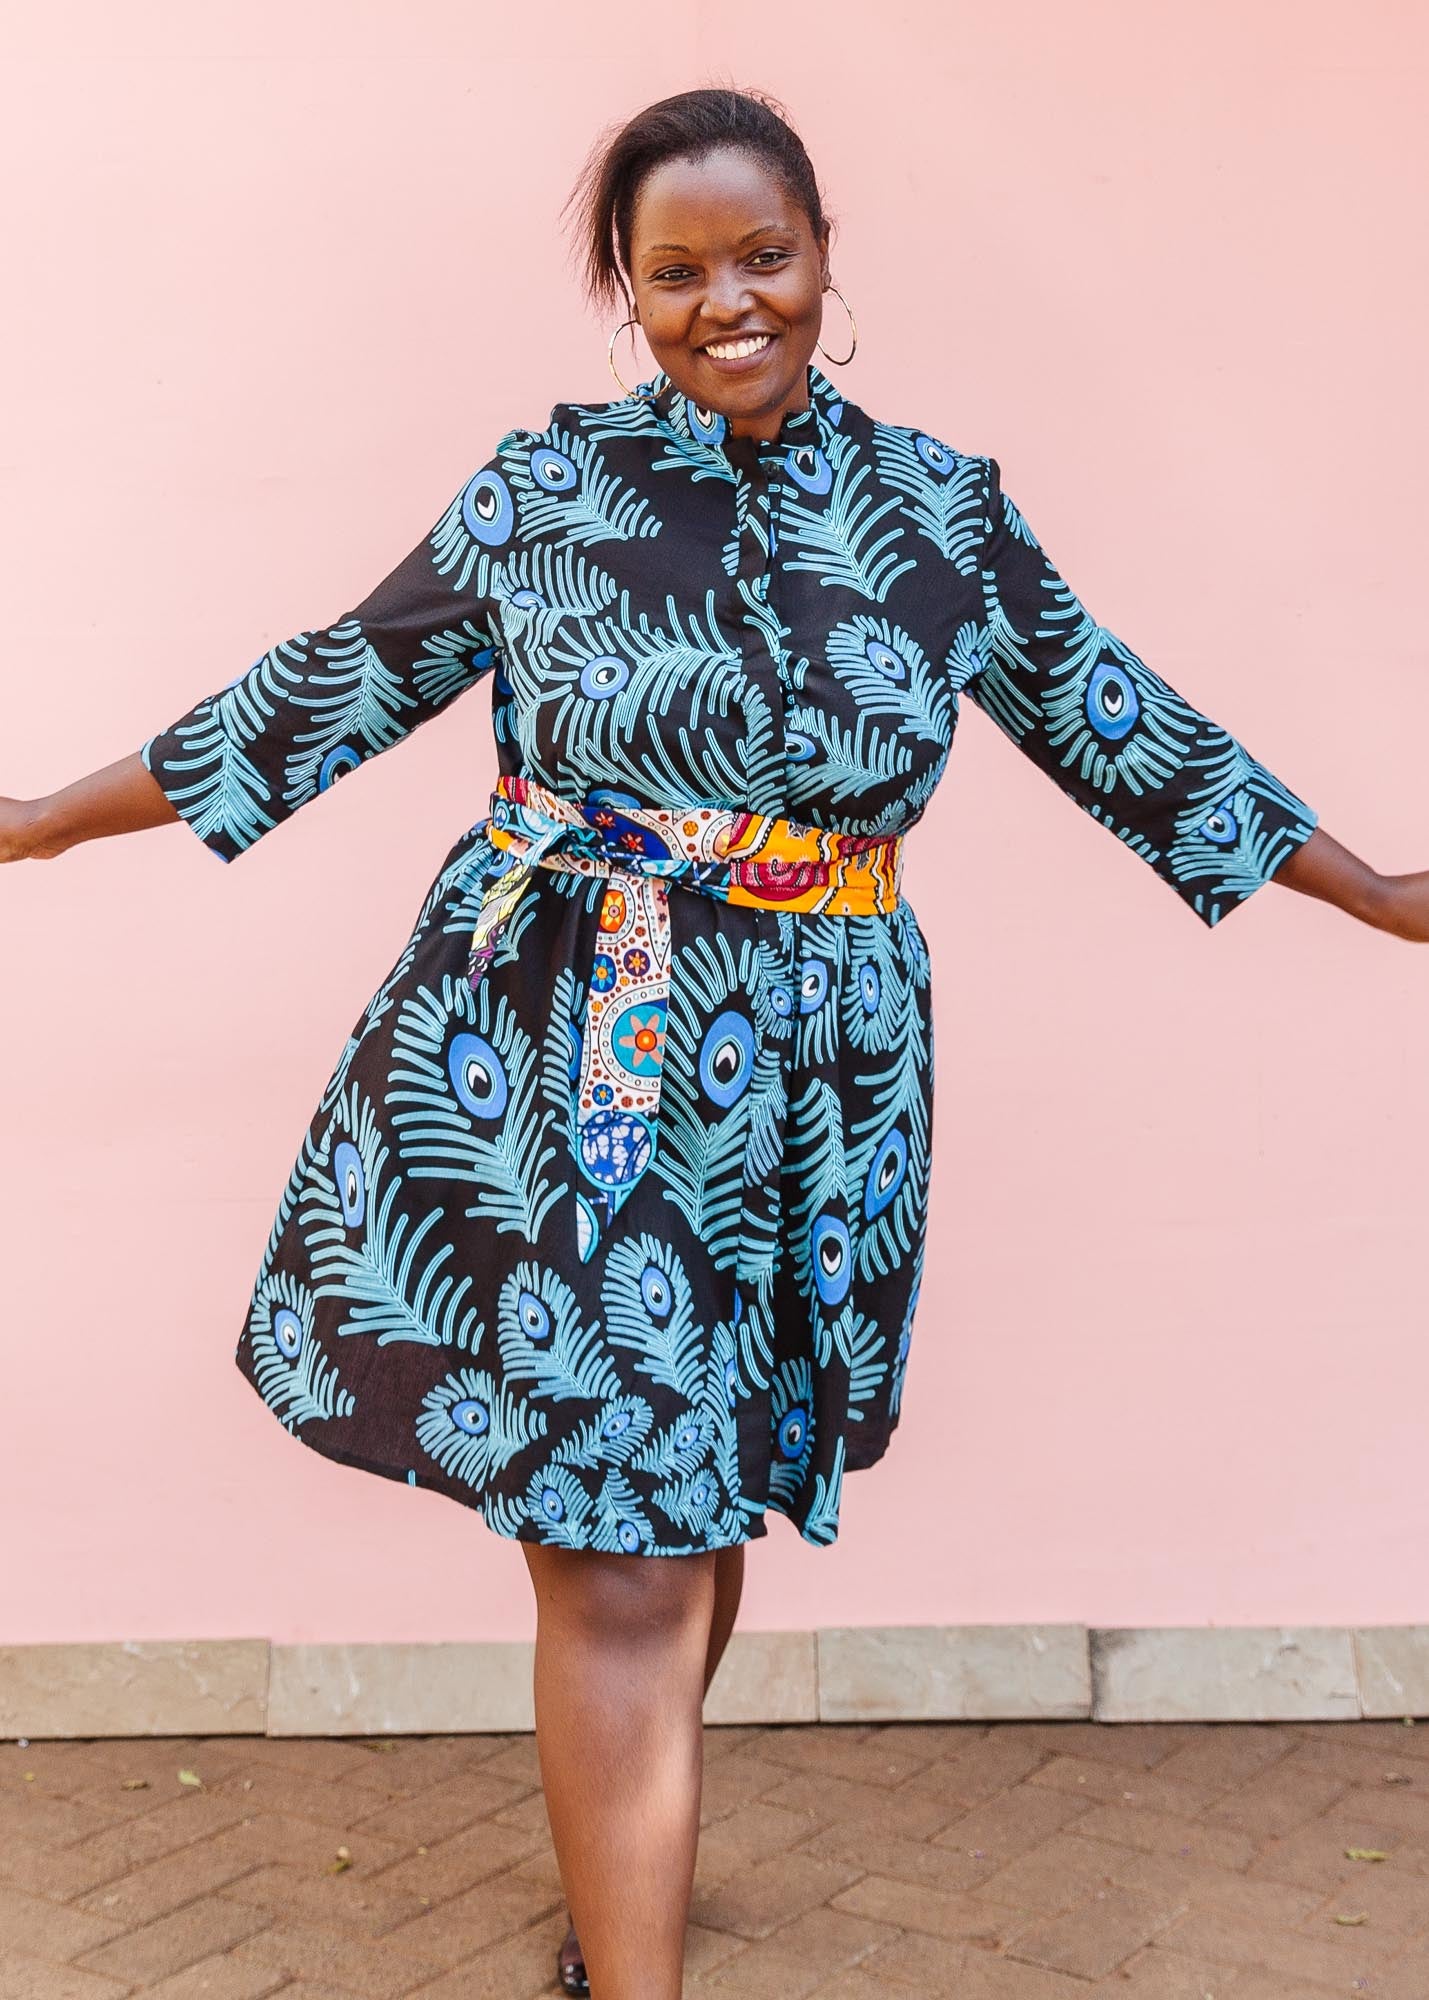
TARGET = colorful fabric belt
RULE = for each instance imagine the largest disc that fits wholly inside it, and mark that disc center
(737, 857)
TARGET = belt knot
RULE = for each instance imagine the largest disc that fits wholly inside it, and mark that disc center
(758, 860)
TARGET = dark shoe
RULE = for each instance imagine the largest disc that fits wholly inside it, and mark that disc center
(570, 1966)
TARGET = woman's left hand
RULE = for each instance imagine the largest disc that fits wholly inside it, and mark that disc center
(1398, 904)
(1403, 906)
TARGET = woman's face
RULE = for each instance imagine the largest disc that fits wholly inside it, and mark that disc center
(728, 278)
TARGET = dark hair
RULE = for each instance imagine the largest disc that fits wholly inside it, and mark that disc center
(684, 127)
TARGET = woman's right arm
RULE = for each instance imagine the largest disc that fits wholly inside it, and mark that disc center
(244, 759)
(122, 798)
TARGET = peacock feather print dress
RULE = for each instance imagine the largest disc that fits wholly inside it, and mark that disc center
(611, 1220)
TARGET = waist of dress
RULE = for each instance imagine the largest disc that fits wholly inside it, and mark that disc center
(762, 860)
(755, 859)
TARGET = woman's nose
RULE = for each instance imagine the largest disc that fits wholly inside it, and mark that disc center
(728, 296)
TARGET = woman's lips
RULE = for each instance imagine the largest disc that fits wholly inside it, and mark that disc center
(737, 357)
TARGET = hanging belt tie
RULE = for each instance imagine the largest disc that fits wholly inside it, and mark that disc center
(749, 858)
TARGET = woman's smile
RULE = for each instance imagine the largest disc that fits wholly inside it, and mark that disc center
(743, 355)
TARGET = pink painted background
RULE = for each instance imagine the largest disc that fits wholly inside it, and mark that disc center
(278, 276)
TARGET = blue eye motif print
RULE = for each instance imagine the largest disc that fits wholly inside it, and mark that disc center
(553, 470)
(870, 986)
(337, 764)
(478, 1076)
(813, 984)
(707, 425)
(533, 1316)
(885, 1175)
(833, 1259)
(798, 748)
(604, 676)
(628, 1536)
(527, 600)
(287, 1333)
(886, 660)
(1112, 703)
(351, 1179)
(487, 511)
(1113, 722)
(808, 467)
(471, 1416)
(727, 1058)
(655, 1291)
(935, 456)
(792, 1431)
(1221, 826)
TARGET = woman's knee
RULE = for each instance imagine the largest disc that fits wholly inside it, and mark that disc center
(623, 1598)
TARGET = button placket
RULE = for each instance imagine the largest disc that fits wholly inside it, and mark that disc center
(753, 466)
(775, 488)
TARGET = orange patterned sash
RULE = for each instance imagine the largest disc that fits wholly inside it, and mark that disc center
(751, 858)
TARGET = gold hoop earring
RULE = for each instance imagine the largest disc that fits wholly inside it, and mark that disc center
(610, 351)
(853, 329)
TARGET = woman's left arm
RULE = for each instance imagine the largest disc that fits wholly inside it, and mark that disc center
(1172, 784)
(1398, 904)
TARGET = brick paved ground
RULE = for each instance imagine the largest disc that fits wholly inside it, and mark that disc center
(1069, 1861)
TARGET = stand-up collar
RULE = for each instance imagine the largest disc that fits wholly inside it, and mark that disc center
(814, 426)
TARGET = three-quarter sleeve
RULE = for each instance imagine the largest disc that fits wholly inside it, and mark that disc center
(317, 705)
(1170, 783)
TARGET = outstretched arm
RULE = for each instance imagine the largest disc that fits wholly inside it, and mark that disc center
(1173, 785)
(121, 798)
(245, 758)
(1395, 903)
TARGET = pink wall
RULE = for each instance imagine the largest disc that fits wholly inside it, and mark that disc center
(275, 286)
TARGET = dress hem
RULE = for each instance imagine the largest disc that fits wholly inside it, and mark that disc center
(410, 1477)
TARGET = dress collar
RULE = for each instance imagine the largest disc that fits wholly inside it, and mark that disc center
(816, 425)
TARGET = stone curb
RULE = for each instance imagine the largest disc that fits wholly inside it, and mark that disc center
(907, 1673)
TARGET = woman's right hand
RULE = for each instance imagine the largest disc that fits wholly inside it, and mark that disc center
(122, 798)
(22, 831)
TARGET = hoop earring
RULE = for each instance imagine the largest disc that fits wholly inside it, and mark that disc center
(610, 351)
(853, 329)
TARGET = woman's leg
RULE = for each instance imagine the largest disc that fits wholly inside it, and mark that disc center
(622, 1646)
(729, 1582)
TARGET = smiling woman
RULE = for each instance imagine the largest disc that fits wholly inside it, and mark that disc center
(611, 1220)
(709, 206)
(731, 317)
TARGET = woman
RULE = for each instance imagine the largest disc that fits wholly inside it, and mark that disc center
(610, 1221)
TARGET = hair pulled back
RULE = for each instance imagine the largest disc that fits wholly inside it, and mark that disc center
(686, 126)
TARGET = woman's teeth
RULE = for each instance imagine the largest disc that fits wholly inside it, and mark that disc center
(737, 350)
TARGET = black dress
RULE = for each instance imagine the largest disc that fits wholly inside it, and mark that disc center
(610, 1221)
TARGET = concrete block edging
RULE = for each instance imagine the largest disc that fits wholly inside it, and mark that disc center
(908, 1673)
